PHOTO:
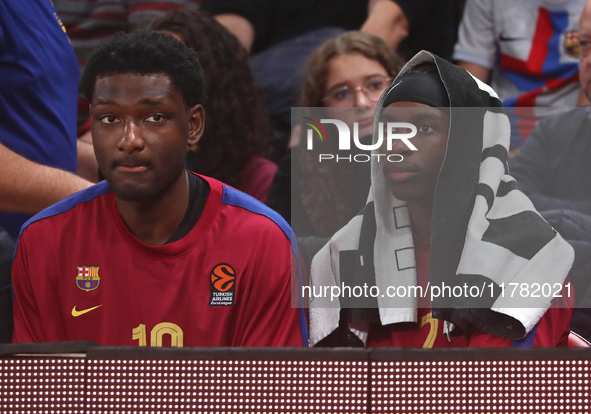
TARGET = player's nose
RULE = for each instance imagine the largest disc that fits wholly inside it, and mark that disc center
(131, 139)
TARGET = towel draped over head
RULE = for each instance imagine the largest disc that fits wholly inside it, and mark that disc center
(484, 233)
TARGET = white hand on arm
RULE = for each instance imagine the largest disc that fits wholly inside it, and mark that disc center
(87, 164)
(386, 20)
(28, 187)
(239, 27)
(478, 71)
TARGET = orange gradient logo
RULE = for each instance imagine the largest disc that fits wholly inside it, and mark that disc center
(222, 277)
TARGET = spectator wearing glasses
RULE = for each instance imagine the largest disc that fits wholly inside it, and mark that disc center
(345, 75)
(353, 87)
(345, 95)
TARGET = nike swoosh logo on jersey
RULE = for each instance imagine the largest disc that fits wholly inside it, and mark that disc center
(76, 313)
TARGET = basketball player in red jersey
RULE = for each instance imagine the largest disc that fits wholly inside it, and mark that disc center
(446, 213)
(154, 256)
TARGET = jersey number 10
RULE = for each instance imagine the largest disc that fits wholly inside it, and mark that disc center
(157, 333)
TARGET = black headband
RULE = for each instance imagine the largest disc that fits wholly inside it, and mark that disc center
(422, 87)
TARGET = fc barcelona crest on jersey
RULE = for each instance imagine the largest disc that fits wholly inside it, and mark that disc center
(571, 43)
(88, 278)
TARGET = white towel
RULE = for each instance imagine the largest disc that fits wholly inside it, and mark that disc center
(485, 232)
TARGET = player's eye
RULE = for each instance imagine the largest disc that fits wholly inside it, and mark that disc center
(425, 129)
(109, 119)
(398, 130)
(155, 118)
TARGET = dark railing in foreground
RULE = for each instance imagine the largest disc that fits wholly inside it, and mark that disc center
(79, 377)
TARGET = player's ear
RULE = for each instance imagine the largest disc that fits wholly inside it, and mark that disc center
(196, 124)
(90, 117)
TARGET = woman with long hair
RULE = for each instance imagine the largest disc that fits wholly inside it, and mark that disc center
(237, 128)
(346, 76)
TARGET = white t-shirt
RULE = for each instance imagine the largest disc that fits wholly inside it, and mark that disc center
(531, 46)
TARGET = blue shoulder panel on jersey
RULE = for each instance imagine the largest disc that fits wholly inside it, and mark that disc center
(528, 341)
(68, 203)
(236, 198)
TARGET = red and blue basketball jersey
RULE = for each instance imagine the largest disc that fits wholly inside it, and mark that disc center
(79, 274)
(552, 330)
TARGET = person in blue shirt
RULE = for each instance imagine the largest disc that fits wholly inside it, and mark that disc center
(38, 97)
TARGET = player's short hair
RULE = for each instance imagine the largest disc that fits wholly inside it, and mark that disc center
(147, 53)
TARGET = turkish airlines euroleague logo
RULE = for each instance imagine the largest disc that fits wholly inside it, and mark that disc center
(222, 281)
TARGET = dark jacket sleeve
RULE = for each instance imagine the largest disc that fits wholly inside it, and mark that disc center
(575, 228)
(547, 162)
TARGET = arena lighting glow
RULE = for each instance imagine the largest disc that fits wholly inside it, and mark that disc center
(146, 386)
